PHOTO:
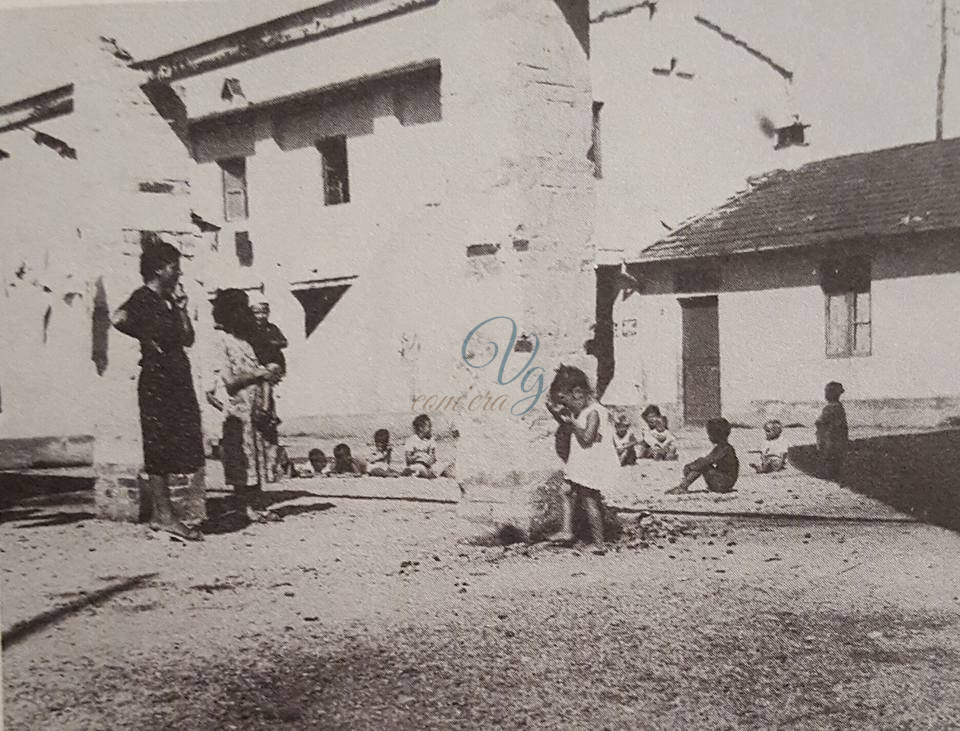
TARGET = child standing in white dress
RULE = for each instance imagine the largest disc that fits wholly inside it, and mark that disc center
(593, 463)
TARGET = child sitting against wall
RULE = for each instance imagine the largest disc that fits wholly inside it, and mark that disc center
(832, 433)
(663, 444)
(318, 462)
(625, 441)
(420, 451)
(719, 469)
(343, 462)
(773, 449)
(380, 463)
(650, 416)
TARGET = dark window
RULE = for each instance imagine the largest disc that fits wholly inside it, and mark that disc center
(701, 279)
(336, 183)
(846, 288)
(594, 155)
(234, 188)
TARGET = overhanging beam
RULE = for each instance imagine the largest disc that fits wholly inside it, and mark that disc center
(37, 108)
(326, 19)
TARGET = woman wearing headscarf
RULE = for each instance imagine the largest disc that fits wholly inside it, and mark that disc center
(237, 390)
(156, 315)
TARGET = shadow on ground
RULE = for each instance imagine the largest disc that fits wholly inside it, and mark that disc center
(226, 515)
(917, 474)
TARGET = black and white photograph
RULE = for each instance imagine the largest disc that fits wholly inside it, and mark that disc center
(479, 364)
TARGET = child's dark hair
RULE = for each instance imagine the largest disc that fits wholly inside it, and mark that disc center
(651, 410)
(316, 455)
(718, 430)
(381, 435)
(422, 420)
(835, 387)
(342, 458)
(566, 378)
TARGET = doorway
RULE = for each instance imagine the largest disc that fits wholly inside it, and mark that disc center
(701, 359)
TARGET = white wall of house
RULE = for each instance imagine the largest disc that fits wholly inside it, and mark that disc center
(773, 338)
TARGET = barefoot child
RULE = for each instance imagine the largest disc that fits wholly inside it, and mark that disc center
(773, 449)
(832, 432)
(420, 451)
(625, 441)
(663, 444)
(381, 458)
(593, 460)
(719, 469)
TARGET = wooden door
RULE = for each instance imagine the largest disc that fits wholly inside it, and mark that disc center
(701, 359)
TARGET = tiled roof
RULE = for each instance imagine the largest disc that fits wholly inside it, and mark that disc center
(881, 193)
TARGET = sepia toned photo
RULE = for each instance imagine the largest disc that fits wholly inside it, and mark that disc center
(480, 364)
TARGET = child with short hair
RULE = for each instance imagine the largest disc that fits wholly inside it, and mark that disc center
(832, 432)
(719, 469)
(379, 464)
(420, 452)
(663, 446)
(593, 460)
(625, 441)
(650, 415)
(773, 449)
(343, 462)
(318, 461)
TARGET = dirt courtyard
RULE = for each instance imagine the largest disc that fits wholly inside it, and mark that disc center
(375, 613)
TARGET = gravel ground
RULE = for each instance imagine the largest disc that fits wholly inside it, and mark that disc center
(378, 614)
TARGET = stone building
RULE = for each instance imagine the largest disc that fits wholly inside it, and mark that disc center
(845, 269)
(389, 173)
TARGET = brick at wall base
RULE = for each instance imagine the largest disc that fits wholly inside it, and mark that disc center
(120, 494)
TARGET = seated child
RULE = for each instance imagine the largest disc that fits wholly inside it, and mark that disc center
(343, 462)
(773, 449)
(318, 461)
(420, 452)
(379, 464)
(650, 416)
(663, 444)
(832, 433)
(719, 469)
(625, 441)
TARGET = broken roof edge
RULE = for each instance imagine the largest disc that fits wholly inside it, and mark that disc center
(786, 242)
(273, 35)
(430, 64)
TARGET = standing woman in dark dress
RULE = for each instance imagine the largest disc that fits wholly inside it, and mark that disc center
(156, 315)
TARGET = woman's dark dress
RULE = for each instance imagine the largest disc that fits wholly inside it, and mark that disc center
(169, 413)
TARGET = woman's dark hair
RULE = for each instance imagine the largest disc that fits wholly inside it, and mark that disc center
(156, 254)
(231, 311)
(718, 430)
(566, 378)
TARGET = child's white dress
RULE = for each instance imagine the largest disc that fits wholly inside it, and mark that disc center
(598, 465)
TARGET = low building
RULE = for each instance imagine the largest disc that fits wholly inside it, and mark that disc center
(845, 269)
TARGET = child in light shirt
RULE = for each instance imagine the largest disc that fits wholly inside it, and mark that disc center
(381, 458)
(625, 441)
(773, 449)
(662, 443)
(420, 451)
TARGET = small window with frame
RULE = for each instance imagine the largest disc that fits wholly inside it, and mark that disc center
(235, 206)
(848, 302)
(336, 180)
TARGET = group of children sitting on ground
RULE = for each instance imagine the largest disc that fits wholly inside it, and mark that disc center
(419, 458)
(581, 443)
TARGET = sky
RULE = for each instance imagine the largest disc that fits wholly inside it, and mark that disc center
(864, 78)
